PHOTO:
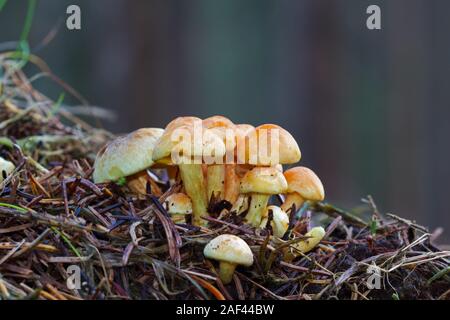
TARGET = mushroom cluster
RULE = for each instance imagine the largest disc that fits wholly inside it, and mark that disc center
(222, 169)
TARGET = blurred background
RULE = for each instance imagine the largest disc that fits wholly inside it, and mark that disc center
(370, 109)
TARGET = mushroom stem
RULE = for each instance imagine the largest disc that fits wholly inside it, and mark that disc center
(257, 208)
(293, 199)
(194, 184)
(231, 183)
(226, 271)
(216, 182)
(178, 218)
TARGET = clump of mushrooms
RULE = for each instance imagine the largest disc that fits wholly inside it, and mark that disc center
(237, 163)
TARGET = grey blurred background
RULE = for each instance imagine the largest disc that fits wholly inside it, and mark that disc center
(370, 109)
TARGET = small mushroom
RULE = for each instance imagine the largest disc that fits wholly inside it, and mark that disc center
(128, 157)
(261, 183)
(6, 168)
(303, 185)
(279, 223)
(178, 205)
(230, 251)
(315, 235)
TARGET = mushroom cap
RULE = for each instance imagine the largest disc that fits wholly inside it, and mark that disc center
(305, 182)
(126, 155)
(182, 121)
(266, 180)
(7, 167)
(178, 203)
(241, 132)
(244, 128)
(227, 136)
(217, 121)
(289, 151)
(185, 138)
(229, 248)
(280, 221)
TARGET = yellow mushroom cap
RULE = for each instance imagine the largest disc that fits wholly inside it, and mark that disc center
(181, 121)
(305, 182)
(7, 167)
(126, 155)
(289, 151)
(229, 248)
(266, 180)
(244, 128)
(178, 203)
(185, 138)
(217, 121)
(280, 221)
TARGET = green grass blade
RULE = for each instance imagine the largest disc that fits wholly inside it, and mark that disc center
(2, 4)
(12, 206)
(28, 20)
(67, 241)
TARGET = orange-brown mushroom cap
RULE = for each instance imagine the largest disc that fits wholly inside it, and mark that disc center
(305, 182)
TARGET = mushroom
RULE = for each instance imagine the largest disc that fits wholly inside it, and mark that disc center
(315, 235)
(178, 205)
(6, 168)
(279, 223)
(261, 183)
(267, 136)
(230, 251)
(216, 171)
(303, 184)
(182, 142)
(128, 157)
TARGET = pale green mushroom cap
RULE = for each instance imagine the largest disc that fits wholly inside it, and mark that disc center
(7, 167)
(126, 155)
(229, 248)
